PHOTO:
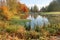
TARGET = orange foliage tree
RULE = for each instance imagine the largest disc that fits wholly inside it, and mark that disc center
(22, 9)
(5, 13)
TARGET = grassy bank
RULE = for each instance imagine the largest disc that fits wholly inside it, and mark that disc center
(54, 17)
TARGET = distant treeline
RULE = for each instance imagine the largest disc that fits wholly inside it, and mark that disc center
(54, 6)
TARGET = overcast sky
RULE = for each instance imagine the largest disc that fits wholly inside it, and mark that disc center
(39, 3)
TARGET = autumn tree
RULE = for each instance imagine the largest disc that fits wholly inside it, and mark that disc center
(4, 11)
(12, 5)
(22, 9)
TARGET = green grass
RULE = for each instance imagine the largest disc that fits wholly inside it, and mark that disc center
(50, 12)
(12, 28)
(18, 21)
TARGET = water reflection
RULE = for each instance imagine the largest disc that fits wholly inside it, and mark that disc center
(37, 20)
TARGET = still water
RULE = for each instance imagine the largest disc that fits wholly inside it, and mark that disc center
(38, 21)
